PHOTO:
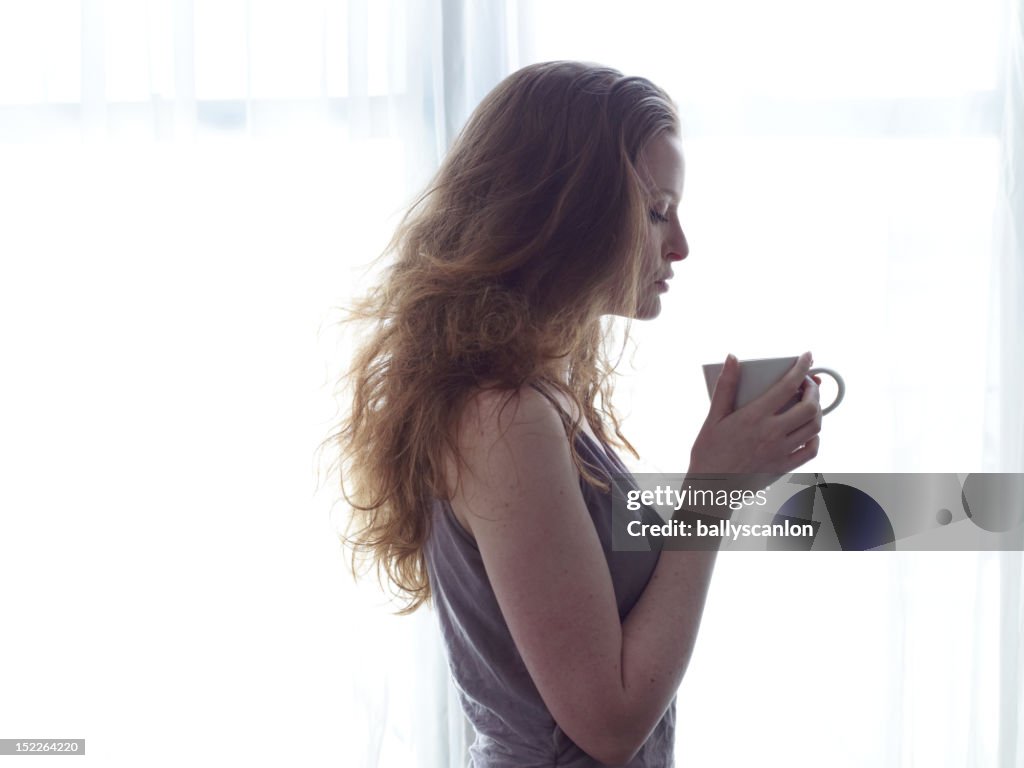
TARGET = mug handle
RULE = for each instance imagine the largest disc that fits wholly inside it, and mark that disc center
(839, 383)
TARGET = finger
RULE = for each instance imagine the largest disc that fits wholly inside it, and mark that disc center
(785, 388)
(810, 390)
(802, 456)
(804, 412)
(724, 397)
(800, 436)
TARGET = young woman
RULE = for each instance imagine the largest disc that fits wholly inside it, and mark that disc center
(477, 452)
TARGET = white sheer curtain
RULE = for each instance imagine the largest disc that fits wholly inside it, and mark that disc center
(187, 188)
(188, 185)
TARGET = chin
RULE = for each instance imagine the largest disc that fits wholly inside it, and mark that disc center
(648, 310)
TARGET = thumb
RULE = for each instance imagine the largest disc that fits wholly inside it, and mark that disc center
(724, 396)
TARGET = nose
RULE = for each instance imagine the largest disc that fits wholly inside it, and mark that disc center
(680, 250)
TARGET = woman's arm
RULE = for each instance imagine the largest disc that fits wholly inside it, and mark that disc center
(606, 683)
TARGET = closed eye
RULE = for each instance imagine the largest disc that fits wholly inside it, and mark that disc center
(655, 216)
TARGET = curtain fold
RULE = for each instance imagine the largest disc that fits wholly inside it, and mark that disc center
(1011, 706)
(1005, 412)
(455, 53)
(1005, 404)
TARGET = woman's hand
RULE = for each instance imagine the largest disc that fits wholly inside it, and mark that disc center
(756, 440)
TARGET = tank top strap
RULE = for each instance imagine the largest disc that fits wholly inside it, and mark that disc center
(591, 447)
(566, 418)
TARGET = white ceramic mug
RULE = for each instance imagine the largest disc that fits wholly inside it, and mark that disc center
(757, 376)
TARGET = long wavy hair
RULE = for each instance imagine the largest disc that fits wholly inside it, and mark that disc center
(498, 274)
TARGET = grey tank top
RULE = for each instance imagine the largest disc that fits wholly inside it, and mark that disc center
(514, 729)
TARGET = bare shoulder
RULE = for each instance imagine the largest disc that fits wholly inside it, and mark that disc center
(491, 414)
(504, 437)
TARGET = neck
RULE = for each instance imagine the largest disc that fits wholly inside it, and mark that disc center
(556, 370)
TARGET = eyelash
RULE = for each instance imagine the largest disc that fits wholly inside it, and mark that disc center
(655, 216)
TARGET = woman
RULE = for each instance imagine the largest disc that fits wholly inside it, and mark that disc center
(477, 454)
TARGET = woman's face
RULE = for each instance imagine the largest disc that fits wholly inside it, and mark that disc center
(661, 168)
